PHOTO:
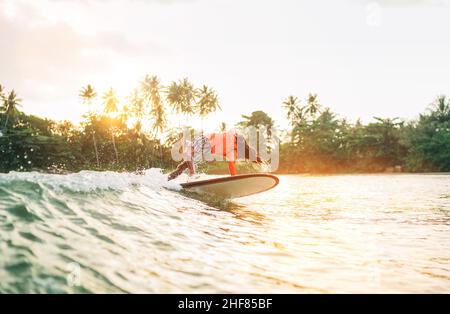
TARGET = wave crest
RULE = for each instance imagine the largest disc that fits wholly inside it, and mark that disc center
(88, 181)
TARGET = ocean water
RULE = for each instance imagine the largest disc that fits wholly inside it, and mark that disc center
(95, 232)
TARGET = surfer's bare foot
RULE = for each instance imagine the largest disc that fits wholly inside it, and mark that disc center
(181, 167)
(171, 176)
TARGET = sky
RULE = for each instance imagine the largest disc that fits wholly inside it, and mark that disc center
(362, 58)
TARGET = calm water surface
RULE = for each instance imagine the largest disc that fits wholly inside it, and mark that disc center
(117, 232)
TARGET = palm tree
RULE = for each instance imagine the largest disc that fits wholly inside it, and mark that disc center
(135, 108)
(188, 96)
(174, 97)
(207, 102)
(159, 115)
(10, 105)
(152, 92)
(88, 95)
(137, 105)
(312, 107)
(294, 112)
(181, 97)
(111, 102)
(151, 88)
(441, 109)
(2, 100)
(125, 114)
(2, 95)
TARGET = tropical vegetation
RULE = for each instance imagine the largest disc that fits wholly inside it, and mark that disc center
(135, 133)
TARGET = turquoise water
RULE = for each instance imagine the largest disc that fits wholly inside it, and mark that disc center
(118, 232)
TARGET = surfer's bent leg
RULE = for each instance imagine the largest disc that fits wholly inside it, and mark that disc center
(232, 167)
(181, 167)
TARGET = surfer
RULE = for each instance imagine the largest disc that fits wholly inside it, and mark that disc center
(222, 144)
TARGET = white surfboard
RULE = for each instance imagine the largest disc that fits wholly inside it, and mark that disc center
(234, 186)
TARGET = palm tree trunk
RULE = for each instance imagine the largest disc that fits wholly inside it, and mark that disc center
(115, 148)
(95, 148)
(6, 121)
(201, 123)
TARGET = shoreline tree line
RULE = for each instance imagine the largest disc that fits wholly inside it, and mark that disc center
(135, 134)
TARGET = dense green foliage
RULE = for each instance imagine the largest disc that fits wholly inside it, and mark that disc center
(114, 138)
(107, 139)
(322, 143)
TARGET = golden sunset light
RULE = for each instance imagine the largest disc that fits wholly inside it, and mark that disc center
(225, 155)
(358, 69)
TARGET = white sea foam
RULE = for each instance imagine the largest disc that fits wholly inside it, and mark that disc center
(85, 181)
